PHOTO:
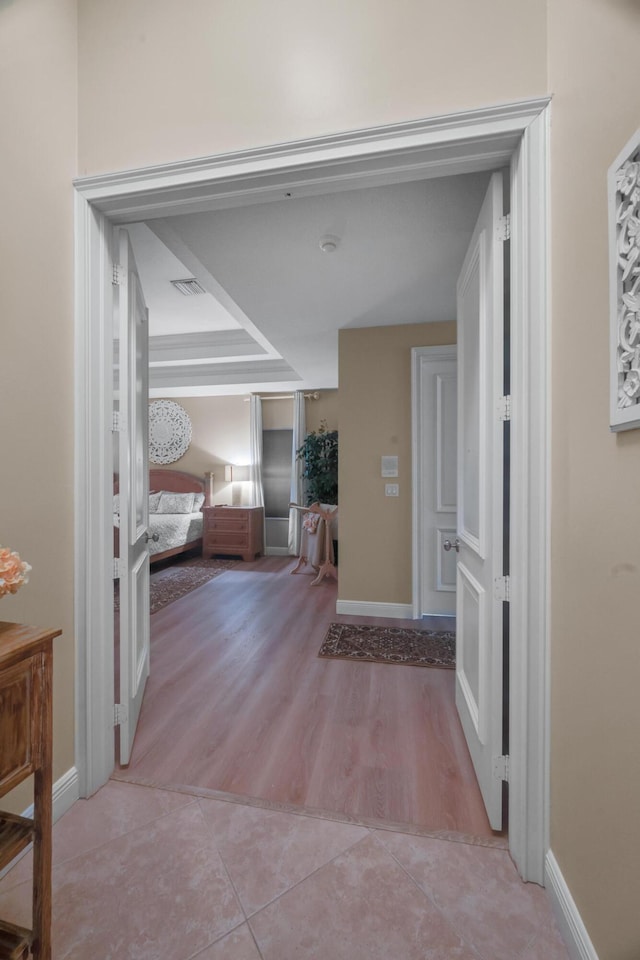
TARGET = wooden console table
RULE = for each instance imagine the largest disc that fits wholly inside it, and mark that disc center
(25, 749)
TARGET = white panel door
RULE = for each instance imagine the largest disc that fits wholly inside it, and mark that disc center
(435, 369)
(132, 397)
(479, 684)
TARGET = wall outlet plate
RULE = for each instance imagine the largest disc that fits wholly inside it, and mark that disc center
(392, 489)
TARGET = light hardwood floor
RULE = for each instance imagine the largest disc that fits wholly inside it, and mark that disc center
(238, 701)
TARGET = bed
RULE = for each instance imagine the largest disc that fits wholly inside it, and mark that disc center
(176, 499)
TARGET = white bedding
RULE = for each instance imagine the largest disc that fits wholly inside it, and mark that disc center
(173, 529)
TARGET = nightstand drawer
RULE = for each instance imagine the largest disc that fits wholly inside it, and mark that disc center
(238, 513)
(227, 524)
(228, 539)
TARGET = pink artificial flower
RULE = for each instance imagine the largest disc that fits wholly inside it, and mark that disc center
(13, 571)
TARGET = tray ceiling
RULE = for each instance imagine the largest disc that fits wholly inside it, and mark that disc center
(275, 302)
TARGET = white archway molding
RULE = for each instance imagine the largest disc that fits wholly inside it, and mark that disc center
(511, 134)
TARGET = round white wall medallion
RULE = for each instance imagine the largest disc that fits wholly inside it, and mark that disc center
(169, 431)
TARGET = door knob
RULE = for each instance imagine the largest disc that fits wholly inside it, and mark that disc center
(447, 545)
(152, 536)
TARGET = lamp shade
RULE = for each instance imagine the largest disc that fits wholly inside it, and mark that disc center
(236, 473)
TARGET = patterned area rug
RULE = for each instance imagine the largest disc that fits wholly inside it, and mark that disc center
(418, 648)
(175, 581)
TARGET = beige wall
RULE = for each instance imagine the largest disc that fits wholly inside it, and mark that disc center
(324, 409)
(595, 575)
(276, 414)
(37, 157)
(161, 81)
(375, 420)
(220, 436)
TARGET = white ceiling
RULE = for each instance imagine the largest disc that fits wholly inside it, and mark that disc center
(169, 310)
(276, 302)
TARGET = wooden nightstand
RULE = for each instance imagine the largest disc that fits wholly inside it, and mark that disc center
(25, 749)
(233, 531)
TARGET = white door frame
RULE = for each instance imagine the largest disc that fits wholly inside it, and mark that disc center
(420, 355)
(484, 139)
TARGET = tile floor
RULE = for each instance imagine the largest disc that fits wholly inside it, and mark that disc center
(145, 873)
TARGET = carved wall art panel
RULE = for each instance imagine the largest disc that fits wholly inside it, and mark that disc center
(169, 431)
(624, 260)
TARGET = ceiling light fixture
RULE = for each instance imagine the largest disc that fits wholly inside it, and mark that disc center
(329, 243)
(189, 287)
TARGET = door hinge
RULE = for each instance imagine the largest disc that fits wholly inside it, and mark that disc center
(504, 408)
(501, 768)
(117, 274)
(116, 568)
(120, 714)
(504, 227)
(502, 588)
(116, 422)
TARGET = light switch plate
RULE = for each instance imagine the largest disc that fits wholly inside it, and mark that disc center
(389, 466)
(392, 489)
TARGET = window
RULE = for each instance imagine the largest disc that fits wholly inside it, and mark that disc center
(277, 461)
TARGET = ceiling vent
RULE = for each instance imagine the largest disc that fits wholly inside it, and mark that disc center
(189, 287)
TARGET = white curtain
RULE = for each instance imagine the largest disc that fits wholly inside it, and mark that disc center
(297, 483)
(255, 427)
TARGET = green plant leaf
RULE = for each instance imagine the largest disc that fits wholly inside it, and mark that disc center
(319, 452)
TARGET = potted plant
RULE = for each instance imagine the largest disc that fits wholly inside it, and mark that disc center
(319, 452)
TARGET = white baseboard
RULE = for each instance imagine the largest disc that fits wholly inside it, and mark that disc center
(573, 930)
(364, 608)
(277, 552)
(66, 790)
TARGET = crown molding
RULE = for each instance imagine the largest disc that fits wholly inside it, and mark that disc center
(216, 374)
(203, 346)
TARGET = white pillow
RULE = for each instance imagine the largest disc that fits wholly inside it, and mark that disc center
(198, 500)
(154, 500)
(175, 502)
(116, 503)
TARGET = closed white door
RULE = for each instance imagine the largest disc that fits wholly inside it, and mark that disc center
(436, 477)
(132, 366)
(479, 627)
